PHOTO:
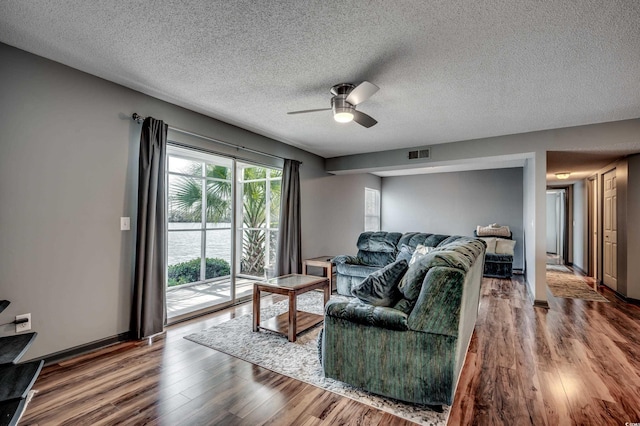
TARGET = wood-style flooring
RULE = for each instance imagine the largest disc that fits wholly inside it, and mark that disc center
(576, 363)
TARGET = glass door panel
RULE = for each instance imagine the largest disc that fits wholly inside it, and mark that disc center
(199, 243)
(258, 219)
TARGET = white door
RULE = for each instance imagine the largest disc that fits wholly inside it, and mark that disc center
(610, 225)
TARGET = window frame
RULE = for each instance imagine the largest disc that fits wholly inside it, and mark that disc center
(375, 216)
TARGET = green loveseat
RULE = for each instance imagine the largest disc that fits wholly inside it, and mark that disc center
(414, 350)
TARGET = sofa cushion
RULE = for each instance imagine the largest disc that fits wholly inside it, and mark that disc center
(381, 287)
(491, 244)
(346, 259)
(383, 242)
(378, 248)
(355, 270)
(505, 246)
(469, 247)
(361, 313)
(413, 239)
(405, 253)
(404, 305)
(412, 282)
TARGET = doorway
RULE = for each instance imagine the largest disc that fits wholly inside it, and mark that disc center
(222, 227)
(556, 219)
(610, 231)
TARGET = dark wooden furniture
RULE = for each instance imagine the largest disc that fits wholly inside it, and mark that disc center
(294, 321)
(16, 379)
(324, 262)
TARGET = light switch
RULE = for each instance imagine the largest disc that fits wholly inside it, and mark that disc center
(125, 224)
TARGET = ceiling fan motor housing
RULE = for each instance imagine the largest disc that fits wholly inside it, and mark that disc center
(342, 89)
(339, 104)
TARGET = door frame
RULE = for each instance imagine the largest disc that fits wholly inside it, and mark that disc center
(594, 226)
(235, 244)
(601, 226)
(564, 215)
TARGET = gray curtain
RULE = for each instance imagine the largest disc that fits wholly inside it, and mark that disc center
(148, 316)
(290, 235)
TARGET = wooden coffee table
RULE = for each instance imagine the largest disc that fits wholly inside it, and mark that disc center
(294, 321)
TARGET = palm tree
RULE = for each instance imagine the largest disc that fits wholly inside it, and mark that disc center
(185, 199)
(185, 195)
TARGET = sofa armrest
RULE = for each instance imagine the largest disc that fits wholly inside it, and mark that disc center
(343, 259)
(437, 309)
(361, 313)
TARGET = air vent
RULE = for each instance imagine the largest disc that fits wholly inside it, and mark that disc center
(423, 153)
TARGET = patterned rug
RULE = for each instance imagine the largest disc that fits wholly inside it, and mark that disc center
(558, 268)
(563, 283)
(299, 359)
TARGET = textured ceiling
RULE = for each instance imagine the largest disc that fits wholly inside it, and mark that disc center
(447, 70)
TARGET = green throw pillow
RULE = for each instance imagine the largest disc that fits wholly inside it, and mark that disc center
(380, 288)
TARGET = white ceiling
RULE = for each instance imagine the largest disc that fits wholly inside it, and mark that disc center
(447, 70)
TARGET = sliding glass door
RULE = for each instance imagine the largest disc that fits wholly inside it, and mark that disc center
(258, 211)
(222, 222)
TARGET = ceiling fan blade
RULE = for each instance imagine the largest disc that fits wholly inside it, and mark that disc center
(309, 110)
(363, 119)
(362, 92)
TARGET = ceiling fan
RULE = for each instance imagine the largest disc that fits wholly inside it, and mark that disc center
(346, 97)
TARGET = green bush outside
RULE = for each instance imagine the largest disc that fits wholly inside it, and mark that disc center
(188, 272)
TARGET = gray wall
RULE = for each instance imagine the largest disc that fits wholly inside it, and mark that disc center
(455, 203)
(633, 228)
(68, 172)
(580, 233)
(335, 227)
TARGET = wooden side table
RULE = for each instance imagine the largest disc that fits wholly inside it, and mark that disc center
(294, 321)
(325, 263)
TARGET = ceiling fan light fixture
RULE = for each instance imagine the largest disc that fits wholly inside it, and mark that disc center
(346, 97)
(344, 116)
(563, 175)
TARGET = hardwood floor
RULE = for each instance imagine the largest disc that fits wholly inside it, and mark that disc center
(576, 363)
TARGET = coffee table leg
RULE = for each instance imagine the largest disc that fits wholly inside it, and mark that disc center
(256, 307)
(293, 317)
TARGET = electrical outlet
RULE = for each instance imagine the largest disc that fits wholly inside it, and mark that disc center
(25, 326)
(125, 224)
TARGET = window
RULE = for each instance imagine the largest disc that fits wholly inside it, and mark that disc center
(371, 209)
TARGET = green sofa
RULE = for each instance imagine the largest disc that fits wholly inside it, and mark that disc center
(375, 251)
(414, 350)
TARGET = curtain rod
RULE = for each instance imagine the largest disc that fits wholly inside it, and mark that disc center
(139, 119)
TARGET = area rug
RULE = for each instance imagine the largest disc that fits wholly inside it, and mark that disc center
(558, 268)
(299, 359)
(565, 284)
